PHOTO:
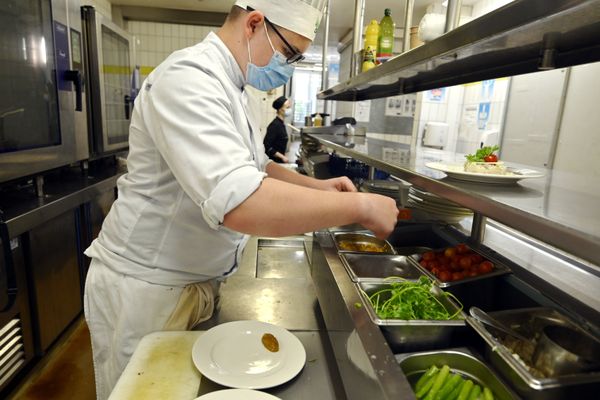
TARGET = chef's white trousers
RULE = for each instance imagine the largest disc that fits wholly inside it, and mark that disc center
(119, 311)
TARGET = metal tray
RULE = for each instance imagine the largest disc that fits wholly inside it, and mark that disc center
(529, 322)
(362, 238)
(499, 269)
(459, 361)
(377, 267)
(412, 335)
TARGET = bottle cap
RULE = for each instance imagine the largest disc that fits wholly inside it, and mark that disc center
(387, 12)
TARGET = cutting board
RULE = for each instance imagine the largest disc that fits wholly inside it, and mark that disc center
(161, 368)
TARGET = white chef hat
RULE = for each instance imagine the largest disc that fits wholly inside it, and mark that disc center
(300, 16)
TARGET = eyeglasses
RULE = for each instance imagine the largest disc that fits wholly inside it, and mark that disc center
(296, 56)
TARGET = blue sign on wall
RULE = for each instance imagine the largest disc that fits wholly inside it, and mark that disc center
(487, 89)
(483, 115)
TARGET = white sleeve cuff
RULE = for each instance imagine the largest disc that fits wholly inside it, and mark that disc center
(229, 193)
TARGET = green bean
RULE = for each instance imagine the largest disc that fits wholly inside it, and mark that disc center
(449, 386)
(487, 393)
(428, 374)
(427, 386)
(439, 381)
(474, 394)
(466, 389)
(454, 394)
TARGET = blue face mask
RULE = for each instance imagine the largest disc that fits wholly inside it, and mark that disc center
(276, 73)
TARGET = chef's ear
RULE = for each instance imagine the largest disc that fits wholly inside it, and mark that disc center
(254, 20)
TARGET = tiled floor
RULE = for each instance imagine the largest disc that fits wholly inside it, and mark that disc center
(66, 373)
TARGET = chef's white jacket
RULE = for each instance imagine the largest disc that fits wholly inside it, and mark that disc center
(194, 155)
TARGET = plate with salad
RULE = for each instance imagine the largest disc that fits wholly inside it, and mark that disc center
(484, 166)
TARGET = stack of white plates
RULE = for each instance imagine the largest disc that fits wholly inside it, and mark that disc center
(436, 207)
(393, 189)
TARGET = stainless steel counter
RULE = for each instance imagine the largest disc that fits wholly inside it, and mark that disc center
(366, 363)
(273, 284)
(549, 209)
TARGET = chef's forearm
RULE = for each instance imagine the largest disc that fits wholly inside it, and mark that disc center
(283, 174)
(279, 208)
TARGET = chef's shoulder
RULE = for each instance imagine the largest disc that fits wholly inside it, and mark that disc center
(189, 70)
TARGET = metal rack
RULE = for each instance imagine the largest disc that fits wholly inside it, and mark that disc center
(528, 207)
(522, 37)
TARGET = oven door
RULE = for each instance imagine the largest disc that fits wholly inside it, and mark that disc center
(109, 67)
(42, 106)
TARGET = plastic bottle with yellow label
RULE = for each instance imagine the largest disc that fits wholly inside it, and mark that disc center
(370, 48)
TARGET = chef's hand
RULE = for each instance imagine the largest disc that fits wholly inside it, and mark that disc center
(341, 184)
(380, 214)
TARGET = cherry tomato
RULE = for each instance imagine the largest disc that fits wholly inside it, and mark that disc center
(450, 252)
(491, 158)
(476, 258)
(486, 267)
(472, 272)
(465, 262)
(454, 266)
(445, 276)
(428, 256)
(457, 276)
(424, 264)
(435, 271)
(462, 248)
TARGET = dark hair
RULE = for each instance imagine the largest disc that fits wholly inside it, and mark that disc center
(279, 102)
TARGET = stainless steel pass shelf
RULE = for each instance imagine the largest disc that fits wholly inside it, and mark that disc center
(522, 37)
(545, 208)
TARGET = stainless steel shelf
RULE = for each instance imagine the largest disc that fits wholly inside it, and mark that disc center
(544, 208)
(522, 37)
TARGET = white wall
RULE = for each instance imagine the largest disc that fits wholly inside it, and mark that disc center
(579, 138)
(471, 132)
(531, 118)
(154, 41)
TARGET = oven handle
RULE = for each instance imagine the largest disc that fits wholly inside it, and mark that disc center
(11, 279)
(75, 77)
(127, 101)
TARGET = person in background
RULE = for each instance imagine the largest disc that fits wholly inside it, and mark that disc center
(276, 138)
(199, 184)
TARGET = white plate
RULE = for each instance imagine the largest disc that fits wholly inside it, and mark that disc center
(430, 197)
(237, 394)
(442, 205)
(232, 354)
(456, 171)
(440, 209)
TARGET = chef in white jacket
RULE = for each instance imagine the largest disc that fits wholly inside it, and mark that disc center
(198, 183)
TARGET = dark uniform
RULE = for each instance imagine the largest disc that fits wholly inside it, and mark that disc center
(276, 139)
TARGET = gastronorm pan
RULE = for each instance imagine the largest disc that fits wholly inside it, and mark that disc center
(530, 323)
(461, 362)
(411, 335)
(366, 240)
(377, 267)
(499, 269)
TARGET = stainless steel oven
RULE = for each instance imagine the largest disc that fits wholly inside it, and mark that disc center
(108, 71)
(42, 106)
